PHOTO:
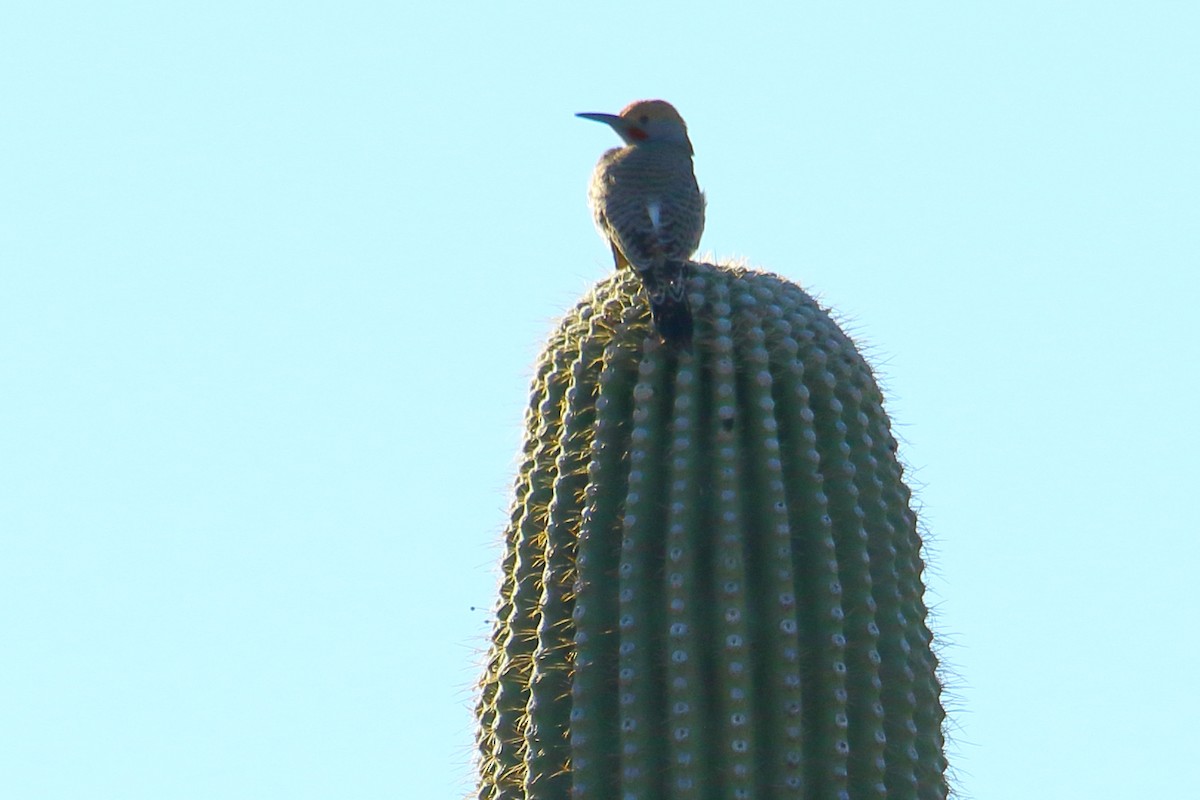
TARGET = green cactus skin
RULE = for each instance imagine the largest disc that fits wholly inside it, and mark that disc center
(712, 576)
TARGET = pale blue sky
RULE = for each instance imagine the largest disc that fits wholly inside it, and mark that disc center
(275, 274)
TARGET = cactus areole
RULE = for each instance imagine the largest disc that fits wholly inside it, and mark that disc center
(712, 574)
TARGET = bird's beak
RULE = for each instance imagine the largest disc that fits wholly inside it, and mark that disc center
(629, 133)
(607, 119)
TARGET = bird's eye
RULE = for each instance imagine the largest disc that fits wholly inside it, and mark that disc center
(643, 119)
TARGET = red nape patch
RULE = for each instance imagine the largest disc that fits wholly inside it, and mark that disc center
(639, 134)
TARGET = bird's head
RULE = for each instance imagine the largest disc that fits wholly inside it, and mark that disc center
(646, 121)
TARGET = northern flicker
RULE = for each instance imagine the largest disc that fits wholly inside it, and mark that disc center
(648, 206)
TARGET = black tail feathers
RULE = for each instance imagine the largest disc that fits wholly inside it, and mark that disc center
(666, 284)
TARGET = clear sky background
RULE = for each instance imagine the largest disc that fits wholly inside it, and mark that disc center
(274, 276)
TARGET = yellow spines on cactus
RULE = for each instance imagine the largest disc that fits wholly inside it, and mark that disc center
(712, 577)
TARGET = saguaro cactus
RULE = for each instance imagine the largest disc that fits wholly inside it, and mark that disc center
(712, 575)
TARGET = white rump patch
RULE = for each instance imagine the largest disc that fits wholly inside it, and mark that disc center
(654, 209)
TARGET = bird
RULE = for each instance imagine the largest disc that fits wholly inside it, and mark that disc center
(647, 205)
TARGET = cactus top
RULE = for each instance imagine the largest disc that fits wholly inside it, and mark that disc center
(712, 575)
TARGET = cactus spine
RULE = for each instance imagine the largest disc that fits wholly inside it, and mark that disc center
(712, 575)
